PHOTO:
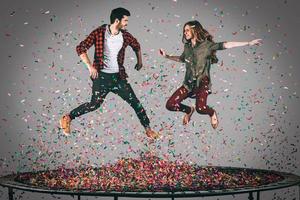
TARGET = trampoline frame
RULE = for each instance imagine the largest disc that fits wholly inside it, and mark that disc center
(288, 181)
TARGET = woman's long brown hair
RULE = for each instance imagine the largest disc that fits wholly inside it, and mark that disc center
(201, 35)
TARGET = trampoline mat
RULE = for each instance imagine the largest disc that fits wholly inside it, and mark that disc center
(149, 173)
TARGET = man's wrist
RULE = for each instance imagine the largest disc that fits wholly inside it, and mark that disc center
(89, 65)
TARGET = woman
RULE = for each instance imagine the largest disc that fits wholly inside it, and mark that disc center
(198, 55)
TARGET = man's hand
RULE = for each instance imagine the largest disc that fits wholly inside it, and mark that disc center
(93, 72)
(138, 66)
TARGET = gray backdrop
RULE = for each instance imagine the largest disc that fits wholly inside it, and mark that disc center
(255, 90)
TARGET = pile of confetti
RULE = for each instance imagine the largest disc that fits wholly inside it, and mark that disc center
(149, 173)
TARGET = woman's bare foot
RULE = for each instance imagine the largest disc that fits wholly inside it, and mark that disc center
(187, 117)
(214, 120)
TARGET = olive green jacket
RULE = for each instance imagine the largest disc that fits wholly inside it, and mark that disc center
(198, 62)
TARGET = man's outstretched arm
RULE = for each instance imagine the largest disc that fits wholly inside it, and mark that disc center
(135, 45)
(139, 63)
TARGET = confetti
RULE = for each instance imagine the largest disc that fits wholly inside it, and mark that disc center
(148, 173)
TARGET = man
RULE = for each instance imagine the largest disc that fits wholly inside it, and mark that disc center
(107, 71)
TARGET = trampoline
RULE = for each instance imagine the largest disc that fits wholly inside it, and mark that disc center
(150, 177)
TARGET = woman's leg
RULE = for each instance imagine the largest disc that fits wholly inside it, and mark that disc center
(174, 102)
(201, 102)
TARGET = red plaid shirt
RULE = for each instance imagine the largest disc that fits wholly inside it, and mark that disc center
(96, 38)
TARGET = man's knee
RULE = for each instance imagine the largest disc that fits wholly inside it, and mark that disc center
(137, 106)
(93, 105)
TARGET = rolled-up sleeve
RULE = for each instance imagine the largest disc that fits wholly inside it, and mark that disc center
(135, 45)
(216, 46)
(86, 44)
(182, 56)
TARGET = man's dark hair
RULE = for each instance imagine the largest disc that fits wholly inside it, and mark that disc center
(118, 13)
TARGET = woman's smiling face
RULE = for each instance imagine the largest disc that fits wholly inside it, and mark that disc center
(188, 33)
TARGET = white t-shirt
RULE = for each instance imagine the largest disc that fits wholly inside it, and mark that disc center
(112, 46)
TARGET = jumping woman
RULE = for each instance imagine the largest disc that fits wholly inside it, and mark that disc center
(198, 55)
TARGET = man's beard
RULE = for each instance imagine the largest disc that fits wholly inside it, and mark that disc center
(121, 27)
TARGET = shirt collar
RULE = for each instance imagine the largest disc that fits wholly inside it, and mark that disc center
(196, 45)
(108, 31)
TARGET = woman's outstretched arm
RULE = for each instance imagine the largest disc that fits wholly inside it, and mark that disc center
(229, 45)
(174, 58)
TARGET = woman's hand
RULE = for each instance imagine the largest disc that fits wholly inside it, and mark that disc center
(255, 42)
(162, 52)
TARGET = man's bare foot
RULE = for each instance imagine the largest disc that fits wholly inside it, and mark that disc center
(152, 134)
(187, 117)
(214, 120)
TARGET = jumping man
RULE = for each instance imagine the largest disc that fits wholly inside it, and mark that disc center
(107, 71)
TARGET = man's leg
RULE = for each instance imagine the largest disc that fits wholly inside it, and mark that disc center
(125, 91)
(99, 90)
